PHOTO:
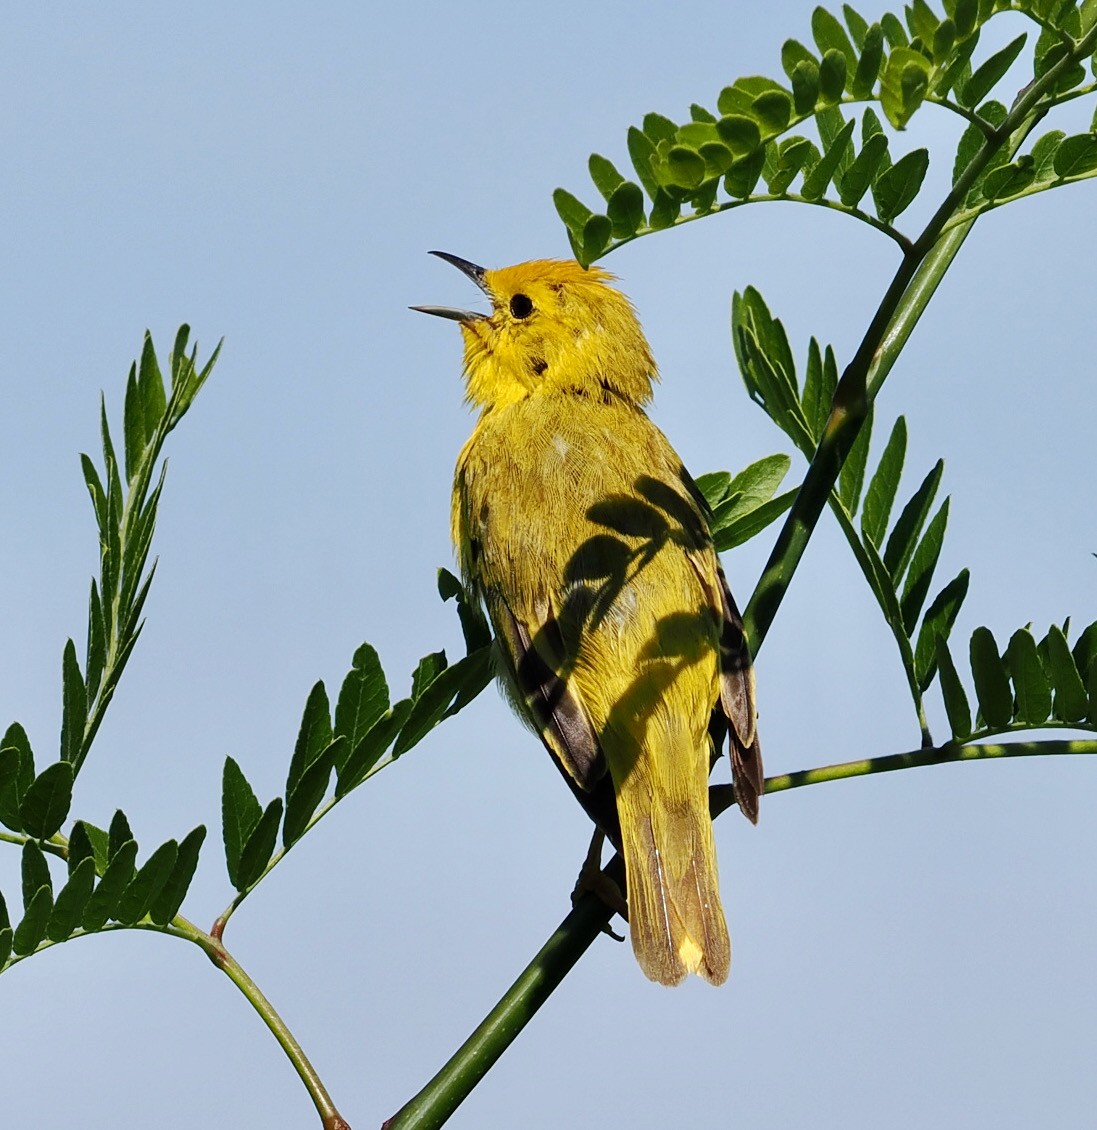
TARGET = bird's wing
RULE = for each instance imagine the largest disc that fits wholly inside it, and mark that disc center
(535, 656)
(735, 710)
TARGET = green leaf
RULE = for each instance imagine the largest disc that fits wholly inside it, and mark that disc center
(146, 884)
(685, 166)
(757, 483)
(5, 921)
(793, 53)
(433, 701)
(816, 181)
(313, 737)
(1009, 180)
(1029, 680)
(240, 814)
(767, 367)
(626, 208)
(150, 387)
(937, 624)
(16, 774)
(165, 906)
(605, 176)
(35, 872)
(1076, 156)
(700, 114)
(640, 151)
(89, 841)
(852, 475)
(1070, 691)
(793, 154)
(832, 77)
(1085, 651)
(6, 936)
(829, 35)
(364, 695)
(742, 177)
(714, 486)
(952, 691)
(742, 529)
(571, 210)
(903, 84)
(372, 747)
(1091, 688)
(74, 713)
(921, 20)
(597, 233)
(922, 565)
(659, 128)
(991, 680)
(864, 170)
(868, 65)
(259, 846)
(71, 901)
(896, 187)
(773, 110)
(95, 490)
(309, 791)
(97, 642)
(104, 899)
(944, 39)
(133, 430)
(858, 26)
(47, 801)
(884, 484)
(119, 835)
(988, 74)
(427, 670)
(1043, 153)
(904, 536)
(474, 624)
(10, 764)
(32, 930)
(739, 133)
(893, 31)
(805, 87)
(966, 16)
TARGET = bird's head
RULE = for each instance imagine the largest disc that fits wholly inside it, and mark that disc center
(554, 328)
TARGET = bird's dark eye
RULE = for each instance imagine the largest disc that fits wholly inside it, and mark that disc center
(521, 306)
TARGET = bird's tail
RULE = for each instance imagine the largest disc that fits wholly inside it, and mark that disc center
(676, 920)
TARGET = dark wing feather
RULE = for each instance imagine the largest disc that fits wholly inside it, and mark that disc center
(737, 706)
(533, 661)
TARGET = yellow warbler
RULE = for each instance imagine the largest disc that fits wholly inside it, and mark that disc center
(619, 643)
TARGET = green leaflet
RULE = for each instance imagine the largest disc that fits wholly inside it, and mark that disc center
(1031, 686)
(991, 680)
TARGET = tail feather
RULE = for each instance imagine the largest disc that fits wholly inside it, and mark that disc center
(676, 920)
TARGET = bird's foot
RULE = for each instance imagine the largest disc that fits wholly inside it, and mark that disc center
(594, 881)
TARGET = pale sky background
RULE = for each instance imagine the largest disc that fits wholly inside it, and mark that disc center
(910, 950)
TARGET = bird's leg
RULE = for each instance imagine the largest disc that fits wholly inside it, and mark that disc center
(592, 880)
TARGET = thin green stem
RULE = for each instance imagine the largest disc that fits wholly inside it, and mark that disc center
(768, 198)
(434, 1104)
(56, 845)
(914, 759)
(223, 960)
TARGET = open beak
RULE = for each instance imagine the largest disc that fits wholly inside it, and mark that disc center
(466, 268)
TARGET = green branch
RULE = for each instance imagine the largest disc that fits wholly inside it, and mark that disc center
(572, 938)
(764, 198)
(223, 960)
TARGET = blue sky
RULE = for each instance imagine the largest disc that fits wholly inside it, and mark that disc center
(910, 950)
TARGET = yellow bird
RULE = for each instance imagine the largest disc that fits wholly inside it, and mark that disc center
(588, 542)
